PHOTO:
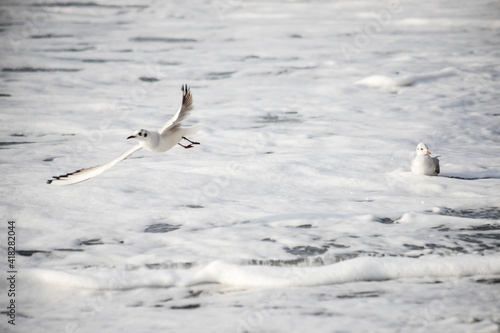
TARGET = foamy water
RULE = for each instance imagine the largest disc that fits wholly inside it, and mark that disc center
(298, 211)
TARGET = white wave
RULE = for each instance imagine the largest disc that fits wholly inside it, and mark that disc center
(358, 269)
(381, 81)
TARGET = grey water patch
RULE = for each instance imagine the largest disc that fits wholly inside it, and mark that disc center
(302, 226)
(10, 24)
(85, 4)
(277, 73)
(18, 314)
(385, 220)
(458, 244)
(73, 4)
(47, 36)
(137, 304)
(174, 265)
(148, 79)
(476, 242)
(301, 262)
(102, 61)
(39, 69)
(6, 144)
(268, 240)
(270, 118)
(467, 178)
(219, 75)
(135, 6)
(69, 250)
(194, 206)
(185, 307)
(302, 67)
(333, 243)
(194, 294)
(89, 242)
(49, 159)
(71, 49)
(480, 246)
(468, 239)
(462, 104)
(360, 294)
(338, 257)
(480, 235)
(483, 227)
(489, 213)
(29, 253)
(17, 135)
(170, 63)
(5, 95)
(250, 57)
(455, 249)
(333, 258)
(162, 40)
(489, 281)
(306, 251)
(161, 228)
(441, 228)
(95, 61)
(414, 247)
(124, 22)
(323, 314)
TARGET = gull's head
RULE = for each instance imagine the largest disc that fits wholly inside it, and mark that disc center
(422, 149)
(140, 135)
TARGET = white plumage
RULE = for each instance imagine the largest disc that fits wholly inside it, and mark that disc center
(423, 163)
(156, 141)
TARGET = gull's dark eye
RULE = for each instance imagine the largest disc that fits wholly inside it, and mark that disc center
(145, 134)
(140, 134)
(421, 148)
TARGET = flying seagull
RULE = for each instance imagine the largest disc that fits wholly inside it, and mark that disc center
(159, 141)
(423, 163)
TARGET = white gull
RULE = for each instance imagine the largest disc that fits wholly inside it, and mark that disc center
(159, 141)
(423, 163)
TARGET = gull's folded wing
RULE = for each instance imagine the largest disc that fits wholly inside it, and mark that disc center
(436, 164)
(181, 114)
(84, 174)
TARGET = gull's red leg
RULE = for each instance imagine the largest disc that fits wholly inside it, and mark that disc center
(188, 146)
(194, 143)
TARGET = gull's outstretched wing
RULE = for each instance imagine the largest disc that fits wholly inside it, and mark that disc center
(181, 114)
(84, 174)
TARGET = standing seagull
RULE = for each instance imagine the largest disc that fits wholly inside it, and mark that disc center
(423, 163)
(157, 141)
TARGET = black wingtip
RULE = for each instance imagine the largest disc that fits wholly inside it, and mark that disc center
(63, 176)
(184, 89)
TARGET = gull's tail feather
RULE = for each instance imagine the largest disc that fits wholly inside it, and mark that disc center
(192, 130)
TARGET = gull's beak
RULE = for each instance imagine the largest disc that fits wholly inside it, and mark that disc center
(131, 137)
(427, 152)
